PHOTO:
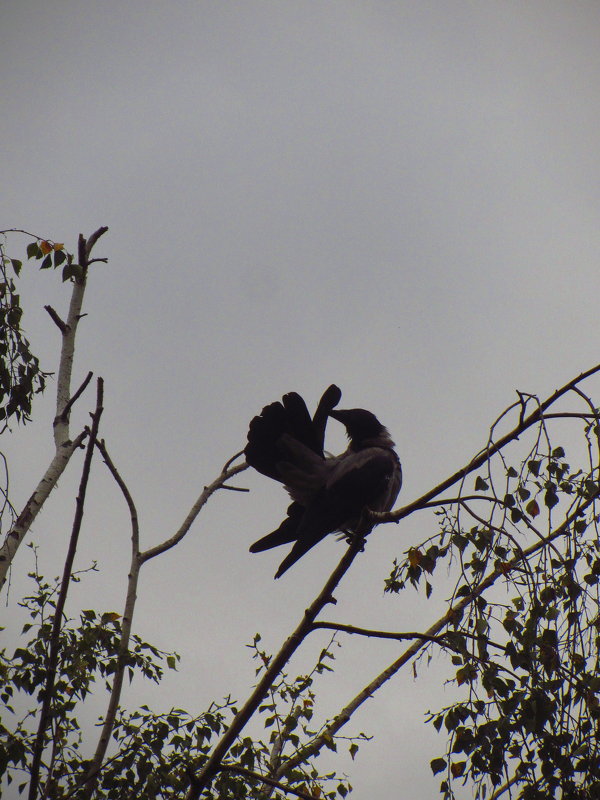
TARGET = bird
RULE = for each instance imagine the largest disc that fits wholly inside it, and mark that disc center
(329, 493)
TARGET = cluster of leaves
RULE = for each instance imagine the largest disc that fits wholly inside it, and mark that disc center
(528, 662)
(53, 255)
(20, 373)
(156, 751)
(88, 653)
(153, 754)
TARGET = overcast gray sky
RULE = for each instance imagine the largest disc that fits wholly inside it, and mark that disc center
(399, 197)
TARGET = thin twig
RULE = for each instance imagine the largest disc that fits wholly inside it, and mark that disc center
(62, 326)
(209, 490)
(65, 413)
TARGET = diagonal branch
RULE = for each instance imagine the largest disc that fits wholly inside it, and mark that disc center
(325, 596)
(523, 424)
(247, 773)
(500, 571)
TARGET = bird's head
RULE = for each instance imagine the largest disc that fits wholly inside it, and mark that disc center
(363, 428)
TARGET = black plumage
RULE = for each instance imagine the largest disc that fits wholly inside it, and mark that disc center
(329, 493)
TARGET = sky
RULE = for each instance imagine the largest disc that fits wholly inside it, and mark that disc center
(401, 198)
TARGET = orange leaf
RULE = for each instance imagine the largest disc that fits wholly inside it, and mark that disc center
(45, 247)
(458, 768)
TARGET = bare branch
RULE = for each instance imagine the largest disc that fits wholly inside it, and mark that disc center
(92, 773)
(34, 504)
(194, 511)
(64, 448)
(371, 633)
(56, 319)
(231, 460)
(45, 712)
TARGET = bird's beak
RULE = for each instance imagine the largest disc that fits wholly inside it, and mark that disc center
(340, 414)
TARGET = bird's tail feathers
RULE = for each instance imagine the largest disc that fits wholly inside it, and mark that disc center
(284, 534)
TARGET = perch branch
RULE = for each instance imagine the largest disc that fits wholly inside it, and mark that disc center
(523, 424)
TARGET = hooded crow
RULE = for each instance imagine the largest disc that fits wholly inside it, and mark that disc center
(330, 493)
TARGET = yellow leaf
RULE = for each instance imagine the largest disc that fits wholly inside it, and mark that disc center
(59, 246)
(414, 557)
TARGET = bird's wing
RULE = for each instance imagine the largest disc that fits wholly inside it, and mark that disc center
(365, 479)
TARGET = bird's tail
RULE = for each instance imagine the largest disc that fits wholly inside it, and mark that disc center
(284, 534)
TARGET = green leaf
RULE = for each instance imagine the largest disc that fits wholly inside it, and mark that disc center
(172, 662)
(16, 265)
(534, 467)
(33, 250)
(353, 749)
(47, 262)
(512, 473)
(72, 271)
(438, 765)
(558, 452)
(59, 257)
(550, 497)
(480, 484)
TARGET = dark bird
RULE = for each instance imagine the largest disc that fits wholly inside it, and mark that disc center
(329, 493)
